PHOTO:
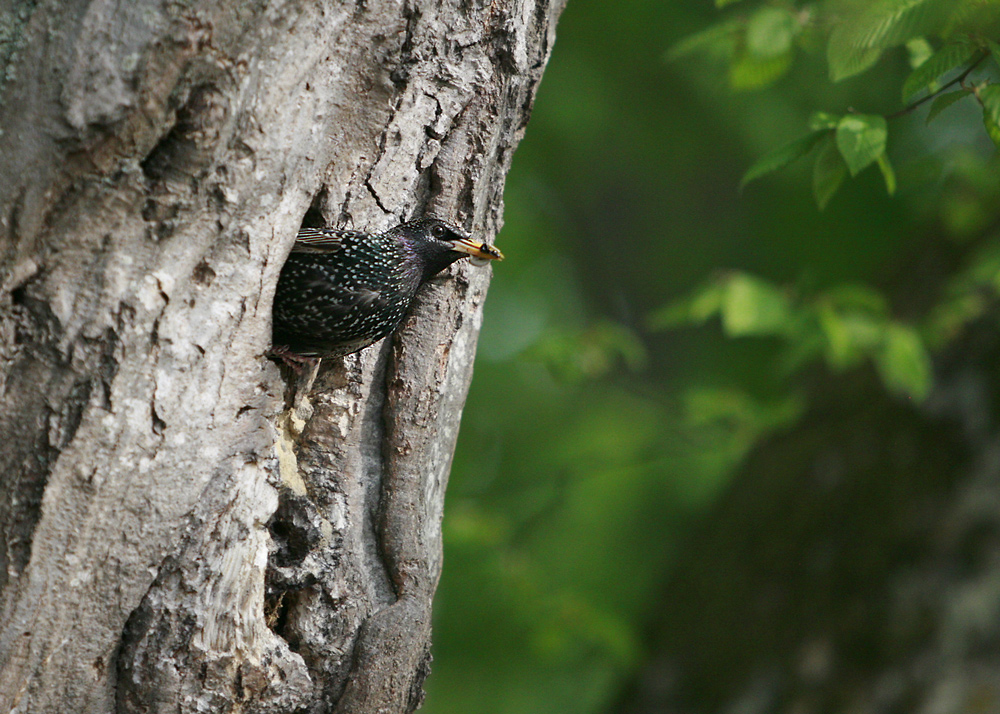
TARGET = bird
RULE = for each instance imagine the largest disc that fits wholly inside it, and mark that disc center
(343, 290)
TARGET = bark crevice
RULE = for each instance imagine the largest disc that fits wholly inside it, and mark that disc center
(204, 545)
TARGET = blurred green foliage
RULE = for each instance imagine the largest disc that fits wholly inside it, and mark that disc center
(845, 325)
(651, 324)
(759, 48)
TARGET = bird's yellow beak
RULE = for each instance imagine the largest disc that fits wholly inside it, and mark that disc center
(482, 251)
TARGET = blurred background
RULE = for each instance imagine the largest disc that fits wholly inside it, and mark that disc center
(724, 451)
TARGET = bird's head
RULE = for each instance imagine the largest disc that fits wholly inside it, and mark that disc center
(440, 244)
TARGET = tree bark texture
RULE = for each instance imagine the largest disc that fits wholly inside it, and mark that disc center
(181, 529)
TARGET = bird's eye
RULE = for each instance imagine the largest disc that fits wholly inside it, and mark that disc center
(438, 231)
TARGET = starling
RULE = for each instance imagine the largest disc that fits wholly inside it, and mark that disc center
(341, 291)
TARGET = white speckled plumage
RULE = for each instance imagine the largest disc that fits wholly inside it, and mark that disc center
(341, 291)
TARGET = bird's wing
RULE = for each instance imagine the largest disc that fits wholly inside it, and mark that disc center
(322, 240)
(313, 285)
(340, 299)
(367, 298)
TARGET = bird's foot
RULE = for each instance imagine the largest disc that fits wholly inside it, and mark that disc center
(296, 362)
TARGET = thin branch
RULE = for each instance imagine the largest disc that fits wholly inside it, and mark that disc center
(960, 79)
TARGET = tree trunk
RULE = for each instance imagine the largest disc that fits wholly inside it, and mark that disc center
(178, 532)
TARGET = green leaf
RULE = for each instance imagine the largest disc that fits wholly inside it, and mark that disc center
(952, 56)
(781, 157)
(849, 335)
(770, 32)
(857, 42)
(754, 307)
(852, 297)
(723, 3)
(990, 97)
(887, 173)
(736, 407)
(903, 362)
(994, 50)
(703, 304)
(823, 120)
(993, 129)
(714, 35)
(706, 303)
(577, 354)
(853, 319)
(846, 60)
(919, 51)
(944, 101)
(861, 139)
(747, 72)
(828, 173)
(886, 23)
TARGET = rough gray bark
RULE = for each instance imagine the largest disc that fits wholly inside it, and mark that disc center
(175, 535)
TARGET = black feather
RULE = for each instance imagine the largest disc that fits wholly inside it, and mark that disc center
(340, 291)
